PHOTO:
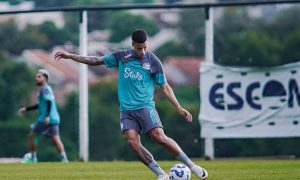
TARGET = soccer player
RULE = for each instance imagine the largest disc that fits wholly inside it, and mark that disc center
(138, 72)
(48, 120)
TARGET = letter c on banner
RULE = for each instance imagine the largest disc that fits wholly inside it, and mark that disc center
(249, 97)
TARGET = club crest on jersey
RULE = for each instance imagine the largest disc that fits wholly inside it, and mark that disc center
(146, 66)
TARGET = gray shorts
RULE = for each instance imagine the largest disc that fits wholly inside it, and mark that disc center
(142, 120)
(46, 130)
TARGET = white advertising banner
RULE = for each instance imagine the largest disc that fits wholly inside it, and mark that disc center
(249, 103)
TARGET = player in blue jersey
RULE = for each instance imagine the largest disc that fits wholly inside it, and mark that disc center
(139, 71)
(48, 120)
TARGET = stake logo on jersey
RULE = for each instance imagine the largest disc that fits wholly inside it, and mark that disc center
(137, 78)
(131, 74)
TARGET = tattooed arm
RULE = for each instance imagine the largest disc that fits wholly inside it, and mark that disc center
(89, 60)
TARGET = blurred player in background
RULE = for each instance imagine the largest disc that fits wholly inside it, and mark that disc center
(48, 120)
(139, 70)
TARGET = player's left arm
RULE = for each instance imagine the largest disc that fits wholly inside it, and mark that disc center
(29, 108)
(89, 60)
(168, 91)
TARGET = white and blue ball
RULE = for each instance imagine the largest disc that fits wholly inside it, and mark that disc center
(180, 172)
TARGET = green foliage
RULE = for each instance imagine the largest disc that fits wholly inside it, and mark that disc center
(12, 141)
(105, 135)
(171, 48)
(72, 22)
(9, 37)
(283, 23)
(291, 44)
(233, 38)
(12, 2)
(257, 49)
(244, 41)
(51, 3)
(122, 24)
(94, 2)
(241, 40)
(70, 125)
(16, 83)
(172, 1)
(55, 36)
(44, 36)
(191, 30)
(257, 147)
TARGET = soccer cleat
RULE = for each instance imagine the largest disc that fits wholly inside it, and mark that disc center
(163, 177)
(28, 159)
(64, 160)
(200, 172)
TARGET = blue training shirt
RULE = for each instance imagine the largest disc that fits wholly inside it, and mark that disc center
(137, 78)
(46, 93)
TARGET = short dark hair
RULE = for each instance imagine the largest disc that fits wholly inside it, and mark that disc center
(139, 36)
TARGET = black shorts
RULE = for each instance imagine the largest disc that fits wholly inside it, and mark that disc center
(46, 130)
(142, 120)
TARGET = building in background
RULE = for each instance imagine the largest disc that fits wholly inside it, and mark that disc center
(181, 71)
(22, 20)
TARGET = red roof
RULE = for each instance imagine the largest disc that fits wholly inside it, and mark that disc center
(187, 67)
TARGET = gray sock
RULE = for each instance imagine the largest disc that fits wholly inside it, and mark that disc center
(33, 154)
(63, 155)
(186, 160)
(156, 169)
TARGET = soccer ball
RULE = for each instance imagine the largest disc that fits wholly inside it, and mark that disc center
(180, 172)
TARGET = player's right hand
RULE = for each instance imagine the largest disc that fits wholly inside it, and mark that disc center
(47, 120)
(61, 55)
(21, 110)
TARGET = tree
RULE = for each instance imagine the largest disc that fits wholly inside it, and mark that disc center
(172, 48)
(55, 36)
(191, 30)
(14, 40)
(52, 3)
(283, 23)
(44, 36)
(106, 139)
(249, 49)
(16, 83)
(123, 23)
(13, 2)
(291, 44)
(69, 113)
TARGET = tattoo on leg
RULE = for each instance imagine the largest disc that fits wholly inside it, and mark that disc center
(144, 155)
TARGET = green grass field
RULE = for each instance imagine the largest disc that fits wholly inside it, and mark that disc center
(218, 170)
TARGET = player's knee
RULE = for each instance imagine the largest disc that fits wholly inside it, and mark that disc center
(134, 144)
(161, 139)
(31, 136)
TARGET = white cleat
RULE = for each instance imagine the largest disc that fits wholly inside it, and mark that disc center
(200, 172)
(28, 159)
(163, 177)
(64, 160)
